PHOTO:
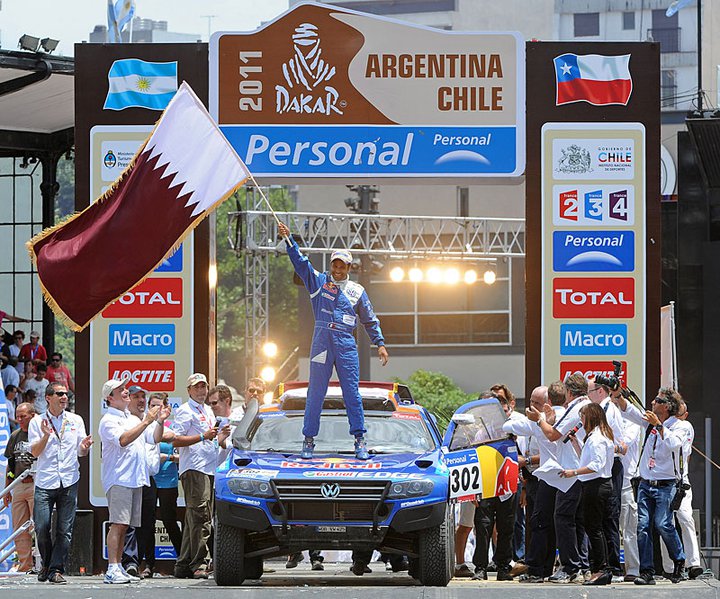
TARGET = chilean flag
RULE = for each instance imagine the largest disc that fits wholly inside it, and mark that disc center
(592, 78)
(180, 174)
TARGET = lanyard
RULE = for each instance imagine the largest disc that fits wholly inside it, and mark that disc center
(60, 434)
(201, 415)
(569, 409)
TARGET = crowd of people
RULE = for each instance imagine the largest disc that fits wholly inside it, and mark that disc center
(595, 468)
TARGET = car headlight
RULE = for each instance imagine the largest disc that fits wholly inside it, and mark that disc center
(250, 486)
(410, 488)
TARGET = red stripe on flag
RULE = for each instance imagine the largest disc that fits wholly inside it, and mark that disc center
(106, 249)
(599, 93)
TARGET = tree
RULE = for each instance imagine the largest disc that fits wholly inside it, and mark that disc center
(437, 393)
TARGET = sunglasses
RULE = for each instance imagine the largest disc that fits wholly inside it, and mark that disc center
(214, 403)
(660, 400)
(254, 391)
(59, 393)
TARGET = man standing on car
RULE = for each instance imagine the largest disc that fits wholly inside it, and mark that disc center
(337, 304)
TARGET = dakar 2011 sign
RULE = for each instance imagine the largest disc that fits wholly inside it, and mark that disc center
(329, 92)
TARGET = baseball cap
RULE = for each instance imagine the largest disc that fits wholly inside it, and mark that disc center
(136, 389)
(34, 335)
(111, 385)
(195, 378)
(343, 255)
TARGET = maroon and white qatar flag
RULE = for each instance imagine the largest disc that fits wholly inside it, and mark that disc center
(180, 174)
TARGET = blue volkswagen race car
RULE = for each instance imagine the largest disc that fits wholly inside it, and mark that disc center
(270, 502)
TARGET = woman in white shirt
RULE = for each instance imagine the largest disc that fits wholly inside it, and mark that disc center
(595, 472)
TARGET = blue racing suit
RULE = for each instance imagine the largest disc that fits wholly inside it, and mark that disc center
(336, 307)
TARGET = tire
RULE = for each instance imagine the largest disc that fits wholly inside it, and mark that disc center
(436, 552)
(229, 555)
(253, 568)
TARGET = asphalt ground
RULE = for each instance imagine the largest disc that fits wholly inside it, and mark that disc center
(301, 582)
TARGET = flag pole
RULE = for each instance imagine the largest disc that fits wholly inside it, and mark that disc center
(264, 197)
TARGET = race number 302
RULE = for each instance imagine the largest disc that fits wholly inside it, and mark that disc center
(465, 480)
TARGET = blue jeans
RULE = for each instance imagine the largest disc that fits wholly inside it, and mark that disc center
(654, 511)
(64, 499)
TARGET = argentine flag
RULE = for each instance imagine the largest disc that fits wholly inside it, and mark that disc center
(137, 83)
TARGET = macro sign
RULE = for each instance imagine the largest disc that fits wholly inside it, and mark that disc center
(329, 92)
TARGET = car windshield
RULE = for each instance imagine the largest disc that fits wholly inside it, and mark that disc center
(386, 433)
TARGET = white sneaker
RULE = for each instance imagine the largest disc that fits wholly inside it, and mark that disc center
(116, 577)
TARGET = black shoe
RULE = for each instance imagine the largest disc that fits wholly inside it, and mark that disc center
(644, 578)
(182, 572)
(504, 574)
(678, 571)
(57, 578)
(402, 566)
(43, 575)
(530, 579)
(358, 568)
(694, 572)
(317, 565)
(603, 579)
(480, 574)
(492, 567)
(132, 569)
(294, 559)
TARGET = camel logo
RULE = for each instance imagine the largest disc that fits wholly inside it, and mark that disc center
(307, 76)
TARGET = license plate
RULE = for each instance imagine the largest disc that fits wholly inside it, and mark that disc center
(331, 528)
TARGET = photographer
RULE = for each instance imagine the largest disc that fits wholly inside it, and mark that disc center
(657, 480)
(684, 513)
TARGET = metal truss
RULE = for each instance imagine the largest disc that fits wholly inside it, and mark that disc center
(437, 237)
(253, 233)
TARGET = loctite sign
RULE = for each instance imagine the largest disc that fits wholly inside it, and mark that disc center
(153, 298)
(592, 369)
(151, 375)
(593, 297)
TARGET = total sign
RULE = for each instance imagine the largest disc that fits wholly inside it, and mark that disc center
(330, 92)
(599, 298)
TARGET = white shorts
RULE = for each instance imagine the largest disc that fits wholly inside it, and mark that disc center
(124, 505)
(467, 514)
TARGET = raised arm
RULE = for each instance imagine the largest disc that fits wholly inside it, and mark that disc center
(301, 263)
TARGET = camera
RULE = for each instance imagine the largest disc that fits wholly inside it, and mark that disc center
(681, 489)
(611, 381)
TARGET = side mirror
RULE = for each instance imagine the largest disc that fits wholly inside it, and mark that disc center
(239, 438)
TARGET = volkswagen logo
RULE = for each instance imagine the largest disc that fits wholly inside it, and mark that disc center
(330, 490)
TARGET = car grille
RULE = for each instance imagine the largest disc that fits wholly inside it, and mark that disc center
(348, 491)
(348, 501)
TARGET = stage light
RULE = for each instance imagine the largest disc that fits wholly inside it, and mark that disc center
(268, 374)
(470, 277)
(397, 274)
(270, 349)
(29, 42)
(49, 44)
(489, 276)
(415, 275)
(451, 276)
(433, 275)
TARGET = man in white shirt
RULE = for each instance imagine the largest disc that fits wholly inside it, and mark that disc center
(57, 438)
(38, 384)
(657, 480)
(633, 436)
(684, 515)
(124, 468)
(255, 389)
(195, 434)
(569, 529)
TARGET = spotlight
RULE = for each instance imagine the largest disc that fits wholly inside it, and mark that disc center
(397, 274)
(49, 44)
(451, 276)
(268, 374)
(270, 349)
(434, 275)
(29, 42)
(470, 277)
(489, 276)
(415, 275)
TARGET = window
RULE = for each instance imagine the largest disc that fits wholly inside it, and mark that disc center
(628, 20)
(668, 89)
(587, 24)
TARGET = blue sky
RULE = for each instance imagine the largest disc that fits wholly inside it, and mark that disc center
(71, 21)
